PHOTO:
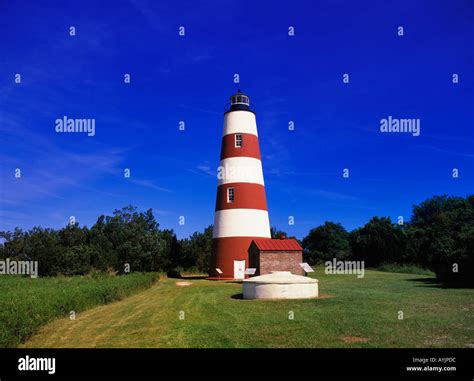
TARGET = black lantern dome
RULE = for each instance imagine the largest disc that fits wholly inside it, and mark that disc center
(239, 101)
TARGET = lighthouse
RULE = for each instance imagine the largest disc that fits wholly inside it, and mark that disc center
(241, 213)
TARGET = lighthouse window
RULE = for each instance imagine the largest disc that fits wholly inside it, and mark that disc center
(238, 140)
(230, 195)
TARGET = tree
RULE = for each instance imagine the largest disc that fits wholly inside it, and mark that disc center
(128, 237)
(277, 234)
(133, 239)
(73, 260)
(443, 231)
(14, 244)
(196, 250)
(378, 241)
(326, 242)
(103, 255)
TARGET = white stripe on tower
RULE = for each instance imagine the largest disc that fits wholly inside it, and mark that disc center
(241, 223)
(238, 122)
(241, 170)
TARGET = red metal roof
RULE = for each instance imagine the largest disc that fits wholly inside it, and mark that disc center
(287, 244)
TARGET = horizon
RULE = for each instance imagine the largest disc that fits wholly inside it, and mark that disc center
(296, 79)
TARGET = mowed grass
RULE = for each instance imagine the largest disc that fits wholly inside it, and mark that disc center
(350, 313)
(26, 303)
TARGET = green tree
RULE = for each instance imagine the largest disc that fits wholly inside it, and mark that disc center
(326, 242)
(134, 240)
(103, 255)
(196, 250)
(443, 237)
(41, 245)
(277, 234)
(379, 241)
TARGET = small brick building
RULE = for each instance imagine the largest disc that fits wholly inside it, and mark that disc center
(268, 255)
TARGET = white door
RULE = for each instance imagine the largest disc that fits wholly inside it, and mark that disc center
(239, 269)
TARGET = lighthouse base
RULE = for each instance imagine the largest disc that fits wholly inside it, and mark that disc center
(230, 255)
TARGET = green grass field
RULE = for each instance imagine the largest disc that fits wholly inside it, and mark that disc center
(350, 313)
(26, 303)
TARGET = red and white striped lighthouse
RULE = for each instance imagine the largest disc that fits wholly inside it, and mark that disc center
(241, 207)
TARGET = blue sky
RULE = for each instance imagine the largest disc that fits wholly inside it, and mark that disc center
(190, 78)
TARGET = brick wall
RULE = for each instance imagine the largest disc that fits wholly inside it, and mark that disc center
(280, 261)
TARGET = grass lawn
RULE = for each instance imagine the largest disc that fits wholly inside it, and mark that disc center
(350, 313)
(26, 303)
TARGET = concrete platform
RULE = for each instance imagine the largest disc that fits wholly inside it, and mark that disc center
(280, 285)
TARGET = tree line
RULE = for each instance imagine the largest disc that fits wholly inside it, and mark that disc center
(439, 236)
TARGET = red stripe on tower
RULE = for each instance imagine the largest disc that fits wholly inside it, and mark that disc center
(249, 149)
(241, 208)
